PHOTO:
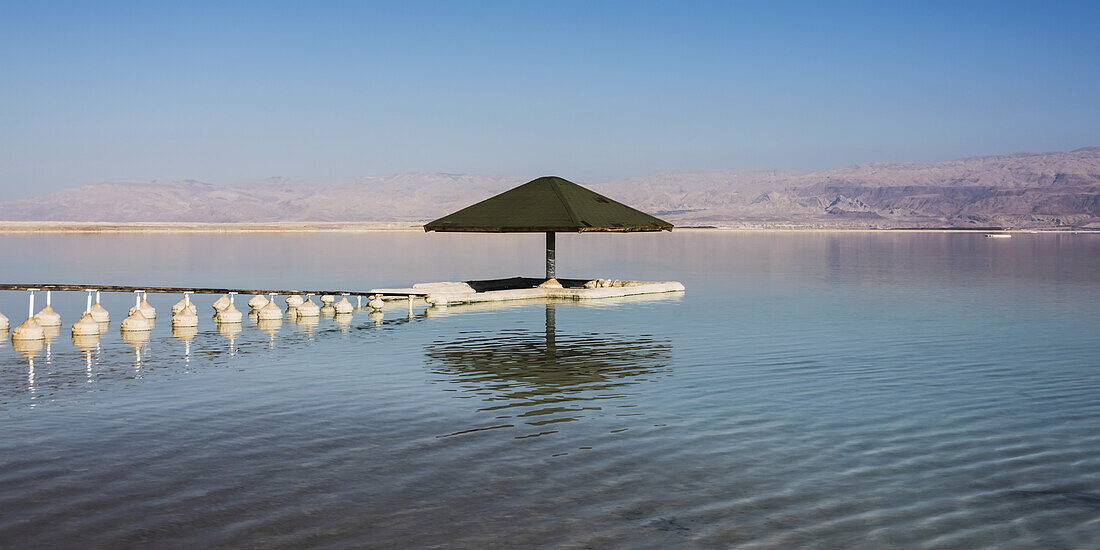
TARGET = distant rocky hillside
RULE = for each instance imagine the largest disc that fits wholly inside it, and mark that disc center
(1025, 190)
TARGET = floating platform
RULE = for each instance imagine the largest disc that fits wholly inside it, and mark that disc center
(525, 288)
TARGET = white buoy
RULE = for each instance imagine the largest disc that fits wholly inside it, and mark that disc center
(376, 302)
(185, 303)
(143, 306)
(343, 306)
(30, 329)
(270, 311)
(136, 322)
(220, 303)
(48, 317)
(4, 324)
(293, 301)
(308, 308)
(186, 316)
(86, 325)
(230, 313)
(99, 313)
(327, 299)
(258, 301)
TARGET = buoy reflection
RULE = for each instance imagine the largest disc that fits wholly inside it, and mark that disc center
(343, 320)
(136, 339)
(270, 326)
(186, 335)
(29, 349)
(230, 331)
(87, 343)
(307, 324)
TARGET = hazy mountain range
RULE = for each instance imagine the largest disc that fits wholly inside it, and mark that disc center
(1024, 190)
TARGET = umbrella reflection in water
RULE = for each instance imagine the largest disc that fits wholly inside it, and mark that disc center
(547, 377)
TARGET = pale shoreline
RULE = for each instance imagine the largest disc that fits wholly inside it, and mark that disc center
(15, 228)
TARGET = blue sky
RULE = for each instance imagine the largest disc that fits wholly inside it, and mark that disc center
(230, 92)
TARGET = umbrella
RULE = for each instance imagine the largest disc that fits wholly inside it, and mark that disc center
(548, 205)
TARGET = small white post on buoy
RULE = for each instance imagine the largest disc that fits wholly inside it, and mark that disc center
(359, 302)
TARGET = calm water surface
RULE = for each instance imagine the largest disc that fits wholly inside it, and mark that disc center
(808, 390)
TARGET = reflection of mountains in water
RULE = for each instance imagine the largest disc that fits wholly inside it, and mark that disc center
(524, 368)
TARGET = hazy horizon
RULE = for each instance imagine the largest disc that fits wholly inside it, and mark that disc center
(231, 93)
(32, 193)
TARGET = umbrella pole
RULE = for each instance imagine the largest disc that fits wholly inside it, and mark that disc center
(550, 260)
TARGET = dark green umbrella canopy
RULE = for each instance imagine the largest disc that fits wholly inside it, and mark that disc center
(548, 204)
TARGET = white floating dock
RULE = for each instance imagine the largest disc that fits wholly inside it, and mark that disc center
(462, 293)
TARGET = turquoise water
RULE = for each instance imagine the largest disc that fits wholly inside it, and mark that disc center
(809, 389)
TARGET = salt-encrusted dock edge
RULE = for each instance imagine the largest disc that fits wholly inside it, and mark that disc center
(444, 295)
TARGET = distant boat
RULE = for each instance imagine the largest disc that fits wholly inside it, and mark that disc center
(998, 235)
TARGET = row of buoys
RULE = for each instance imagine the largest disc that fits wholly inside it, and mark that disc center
(142, 317)
(300, 306)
